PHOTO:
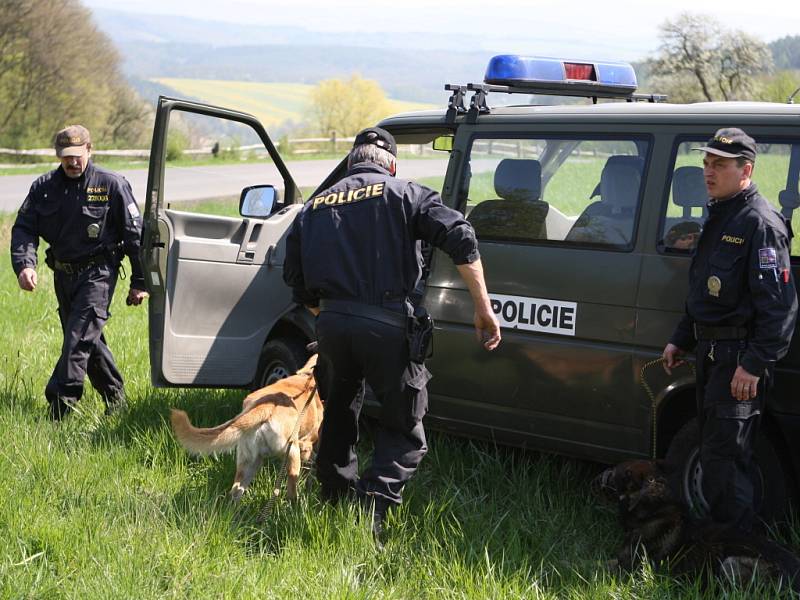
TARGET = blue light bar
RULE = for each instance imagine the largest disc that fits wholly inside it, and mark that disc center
(553, 74)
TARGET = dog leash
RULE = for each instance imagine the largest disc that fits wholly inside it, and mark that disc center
(270, 506)
(652, 396)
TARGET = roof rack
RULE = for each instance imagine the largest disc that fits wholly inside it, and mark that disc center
(456, 106)
(515, 74)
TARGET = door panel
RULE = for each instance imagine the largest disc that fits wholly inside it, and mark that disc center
(215, 279)
(565, 391)
(238, 302)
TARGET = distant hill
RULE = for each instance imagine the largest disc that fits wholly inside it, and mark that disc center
(126, 26)
(409, 66)
(413, 75)
(272, 103)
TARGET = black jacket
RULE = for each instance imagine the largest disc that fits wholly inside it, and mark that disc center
(741, 276)
(61, 211)
(360, 239)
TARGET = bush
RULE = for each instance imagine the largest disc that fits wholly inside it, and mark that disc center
(177, 142)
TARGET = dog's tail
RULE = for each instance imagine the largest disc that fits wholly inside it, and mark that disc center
(221, 438)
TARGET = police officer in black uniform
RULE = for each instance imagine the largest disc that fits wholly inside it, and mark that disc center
(740, 316)
(353, 257)
(89, 218)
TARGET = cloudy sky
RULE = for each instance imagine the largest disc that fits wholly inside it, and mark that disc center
(622, 29)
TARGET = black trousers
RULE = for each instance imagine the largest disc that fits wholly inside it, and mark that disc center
(728, 431)
(83, 301)
(351, 350)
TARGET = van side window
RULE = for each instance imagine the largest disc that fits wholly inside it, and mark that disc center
(776, 174)
(573, 191)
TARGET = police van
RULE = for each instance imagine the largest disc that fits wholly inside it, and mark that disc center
(586, 213)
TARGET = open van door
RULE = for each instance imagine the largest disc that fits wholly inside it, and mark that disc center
(213, 248)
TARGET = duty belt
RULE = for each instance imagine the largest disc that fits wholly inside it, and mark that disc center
(724, 332)
(366, 311)
(73, 268)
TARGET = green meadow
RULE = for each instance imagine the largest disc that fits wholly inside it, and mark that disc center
(99, 507)
(271, 103)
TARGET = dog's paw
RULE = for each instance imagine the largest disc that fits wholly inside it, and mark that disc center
(237, 491)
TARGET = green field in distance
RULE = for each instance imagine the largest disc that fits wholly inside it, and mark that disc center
(270, 103)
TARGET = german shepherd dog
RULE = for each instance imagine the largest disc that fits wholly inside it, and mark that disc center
(658, 526)
(265, 427)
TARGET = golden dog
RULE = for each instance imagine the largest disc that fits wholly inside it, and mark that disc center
(264, 427)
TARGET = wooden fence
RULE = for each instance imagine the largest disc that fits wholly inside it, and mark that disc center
(312, 145)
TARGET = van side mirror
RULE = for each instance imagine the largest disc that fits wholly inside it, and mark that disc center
(258, 201)
(444, 143)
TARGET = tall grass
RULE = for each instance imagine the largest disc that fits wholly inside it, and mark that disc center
(100, 507)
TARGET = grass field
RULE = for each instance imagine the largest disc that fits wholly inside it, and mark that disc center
(113, 508)
(271, 103)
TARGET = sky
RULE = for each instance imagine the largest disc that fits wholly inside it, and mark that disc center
(614, 29)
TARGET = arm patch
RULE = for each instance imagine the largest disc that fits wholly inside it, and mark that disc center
(767, 258)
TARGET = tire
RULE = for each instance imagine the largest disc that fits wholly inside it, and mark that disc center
(279, 358)
(773, 482)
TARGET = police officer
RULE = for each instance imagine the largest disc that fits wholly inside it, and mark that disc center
(89, 218)
(740, 315)
(353, 257)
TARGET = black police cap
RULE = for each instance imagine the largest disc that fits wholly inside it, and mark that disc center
(378, 137)
(731, 142)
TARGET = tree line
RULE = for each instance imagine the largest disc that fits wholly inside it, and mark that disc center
(57, 68)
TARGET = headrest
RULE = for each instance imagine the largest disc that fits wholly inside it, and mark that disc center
(689, 187)
(518, 179)
(620, 181)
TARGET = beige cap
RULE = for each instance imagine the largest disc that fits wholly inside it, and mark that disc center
(70, 140)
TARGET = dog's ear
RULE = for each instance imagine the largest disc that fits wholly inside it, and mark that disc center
(312, 347)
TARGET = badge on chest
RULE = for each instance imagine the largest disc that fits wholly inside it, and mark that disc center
(714, 284)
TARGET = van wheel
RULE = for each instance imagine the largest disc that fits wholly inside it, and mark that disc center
(773, 481)
(279, 358)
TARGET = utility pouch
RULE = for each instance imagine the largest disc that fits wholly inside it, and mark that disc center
(49, 259)
(420, 336)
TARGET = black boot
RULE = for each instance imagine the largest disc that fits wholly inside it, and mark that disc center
(60, 407)
(115, 402)
(377, 508)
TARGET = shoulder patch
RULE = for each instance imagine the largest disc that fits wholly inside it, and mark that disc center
(767, 258)
(133, 210)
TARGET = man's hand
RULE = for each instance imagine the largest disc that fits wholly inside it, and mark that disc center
(27, 279)
(487, 329)
(673, 357)
(744, 386)
(135, 297)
